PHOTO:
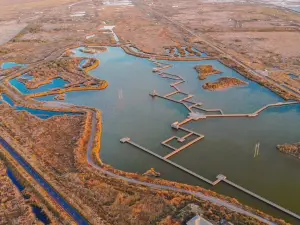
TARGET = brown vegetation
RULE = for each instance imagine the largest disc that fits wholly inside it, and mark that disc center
(223, 83)
(162, 57)
(93, 50)
(90, 192)
(60, 97)
(14, 209)
(97, 140)
(151, 173)
(190, 50)
(291, 149)
(282, 93)
(205, 71)
(67, 69)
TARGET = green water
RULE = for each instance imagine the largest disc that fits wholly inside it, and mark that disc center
(228, 146)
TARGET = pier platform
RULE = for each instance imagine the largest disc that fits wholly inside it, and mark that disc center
(220, 178)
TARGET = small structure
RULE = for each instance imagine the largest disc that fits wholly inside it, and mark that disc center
(198, 220)
(90, 36)
(181, 140)
(125, 139)
(153, 93)
(252, 115)
(196, 115)
(175, 125)
(221, 177)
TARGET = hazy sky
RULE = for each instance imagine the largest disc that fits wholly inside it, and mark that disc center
(295, 4)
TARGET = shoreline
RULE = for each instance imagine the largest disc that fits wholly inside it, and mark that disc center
(96, 156)
(224, 83)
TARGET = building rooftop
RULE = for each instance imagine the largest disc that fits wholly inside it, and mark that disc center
(198, 220)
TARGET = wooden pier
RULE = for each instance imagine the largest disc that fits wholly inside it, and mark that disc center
(127, 140)
(219, 178)
(262, 199)
(181, 140)
(195, 116)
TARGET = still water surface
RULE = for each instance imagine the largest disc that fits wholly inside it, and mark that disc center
(228, 146)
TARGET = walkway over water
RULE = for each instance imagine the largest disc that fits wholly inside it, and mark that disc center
(220, 178)
(156, 116)
(194, 116)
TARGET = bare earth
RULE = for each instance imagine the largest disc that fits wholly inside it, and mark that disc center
(9, 31)
(264, 38)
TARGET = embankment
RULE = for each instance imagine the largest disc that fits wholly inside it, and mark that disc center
(102, 86)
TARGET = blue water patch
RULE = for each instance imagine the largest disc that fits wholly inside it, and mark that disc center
(204, 54)
(187, 54)
(84, 61)
(46, 98)
(38, 212)
(27, 76)
(296, 8)
(56, 83)
(42, 114)
(293, 76)
(8, 65)
(8, 100)
(15, 180)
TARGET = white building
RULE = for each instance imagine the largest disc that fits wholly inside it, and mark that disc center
(198, 220)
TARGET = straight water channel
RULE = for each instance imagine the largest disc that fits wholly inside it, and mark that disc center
(38, 212)
(228, 146)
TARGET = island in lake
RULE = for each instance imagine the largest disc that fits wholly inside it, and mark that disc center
(205, 71)
(223, 83)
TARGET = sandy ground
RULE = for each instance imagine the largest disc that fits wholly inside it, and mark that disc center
(263, 45)
(10, 30)
(265, 38)
(20, 8)
(136, 26)
(14, 208)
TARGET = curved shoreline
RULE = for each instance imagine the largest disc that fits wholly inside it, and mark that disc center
(104, 84)
(94, 66)
(224, 83)
(125, 176)
(94, 150)
(95, 131)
